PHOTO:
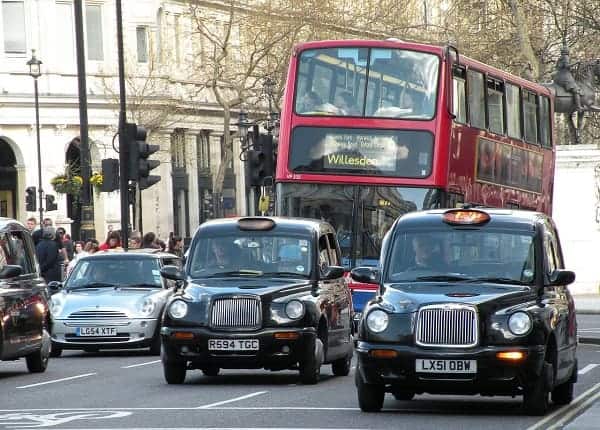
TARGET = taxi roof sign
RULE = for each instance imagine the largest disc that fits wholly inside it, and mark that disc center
(255, 223)
(466, 217)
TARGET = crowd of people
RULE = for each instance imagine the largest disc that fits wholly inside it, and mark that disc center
(57, 253)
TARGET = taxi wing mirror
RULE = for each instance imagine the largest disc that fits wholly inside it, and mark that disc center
(54, 287)
(332, 272)
(366, 275)
(562, 277)
(10, 271)
(173, 273)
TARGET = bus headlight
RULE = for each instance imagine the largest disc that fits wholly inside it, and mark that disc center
(519, 323)
(377, 321)
(178, 309)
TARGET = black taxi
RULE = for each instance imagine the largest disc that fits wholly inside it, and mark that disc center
(259, 292)
(470, 301)
(24, 314)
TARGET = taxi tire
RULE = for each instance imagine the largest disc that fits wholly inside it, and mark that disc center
(37, 361)
(370, 396)
(536, 395)
(563, 393)
(174, 372)
(403, 395)
(211, 371)
(310, 367)
(342, 366)
(155, 345)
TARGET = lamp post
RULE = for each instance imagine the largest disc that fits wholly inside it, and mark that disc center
(35, 72)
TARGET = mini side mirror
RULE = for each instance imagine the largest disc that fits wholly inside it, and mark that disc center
(10, 271)
(366, 275)
(173, 273)
(332, 272)
(54, 287)
(562, 277)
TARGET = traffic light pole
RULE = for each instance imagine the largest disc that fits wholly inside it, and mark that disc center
(123, 163)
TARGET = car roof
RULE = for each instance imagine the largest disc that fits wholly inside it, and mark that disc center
(13, 223)
(288, 224)
(499, 218)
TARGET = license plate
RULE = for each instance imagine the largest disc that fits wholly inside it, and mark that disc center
(96, 331)
(233, 344)
(426, 365)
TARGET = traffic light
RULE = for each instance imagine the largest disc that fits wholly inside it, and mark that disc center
(110, 175)
(137, 157)
(50, 204)
(261, 161)
(30, 199)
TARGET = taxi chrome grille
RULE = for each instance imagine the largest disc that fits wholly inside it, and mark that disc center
(97, 314)
(447, 325)
(236, 313)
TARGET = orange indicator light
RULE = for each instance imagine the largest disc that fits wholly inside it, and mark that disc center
(466, 217)
(183, 335)
(383, 353)
(510, 355)
(287, 335)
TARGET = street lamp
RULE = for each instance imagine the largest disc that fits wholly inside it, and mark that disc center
(35, 72)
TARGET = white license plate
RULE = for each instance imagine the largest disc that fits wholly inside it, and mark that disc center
(233, 344)
(426, 365)
(96, 331)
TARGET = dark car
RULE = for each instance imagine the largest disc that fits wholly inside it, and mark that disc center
(470, 301)
(111, 300)
(259, 292)
(24, 319)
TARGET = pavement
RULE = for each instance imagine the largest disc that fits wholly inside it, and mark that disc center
(587, 407)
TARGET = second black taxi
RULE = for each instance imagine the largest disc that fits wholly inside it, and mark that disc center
(470, 301)
(259, 292)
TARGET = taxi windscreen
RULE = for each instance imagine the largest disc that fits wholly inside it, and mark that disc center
(251, 254)
(456, 255)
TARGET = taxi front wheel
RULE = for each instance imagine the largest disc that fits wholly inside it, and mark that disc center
(536, 395)
(174, 372)
(370, 396)
(310, 366)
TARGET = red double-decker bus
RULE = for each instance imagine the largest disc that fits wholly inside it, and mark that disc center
(373, 129)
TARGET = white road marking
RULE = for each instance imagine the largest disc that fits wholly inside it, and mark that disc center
(247, 396)
(560, 417)
(141, 364)
(587, 368)
(588, 329)
(57, 380)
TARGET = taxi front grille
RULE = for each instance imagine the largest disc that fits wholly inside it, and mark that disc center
(236, 313)
(447, 325)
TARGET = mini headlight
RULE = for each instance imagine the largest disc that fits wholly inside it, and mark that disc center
(178, 309)
(377, 321)
(294, 309)
(148, 307)
(519, 323)
(57, 303)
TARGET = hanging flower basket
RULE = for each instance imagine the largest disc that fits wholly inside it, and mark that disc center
(64, 184)
(96, 180)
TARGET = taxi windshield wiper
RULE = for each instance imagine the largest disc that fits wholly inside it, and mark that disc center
(242, 272)
(295, 274)
(497, 280)
(93, 285)
(447, 278)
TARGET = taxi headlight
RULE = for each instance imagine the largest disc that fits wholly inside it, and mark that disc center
(294, 309)
(519, 323)
(178, 309)
(377, 321)
(148, 307)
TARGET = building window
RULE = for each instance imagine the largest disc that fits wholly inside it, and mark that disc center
(142, 44)
(65, 34)
(93, 16)
(13, 20)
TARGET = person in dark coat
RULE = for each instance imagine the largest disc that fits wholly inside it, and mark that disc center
(47, 252)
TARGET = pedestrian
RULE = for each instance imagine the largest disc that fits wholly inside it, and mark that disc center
(37, 234)
(149, 241)
(135, 240)
(66, 242)
(175, 245)
(48, 255)
(113, 240)
(31, 224)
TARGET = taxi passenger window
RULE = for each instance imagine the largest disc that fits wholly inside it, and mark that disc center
(3, 251)
(324, 261)
(21, 255)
